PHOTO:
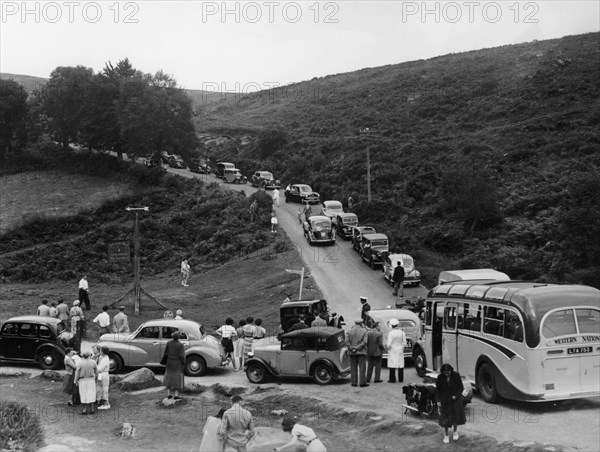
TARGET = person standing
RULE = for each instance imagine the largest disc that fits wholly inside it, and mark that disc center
(253, 210)
(375, 350)
(211, 441)
(53, 312)
(84, 292)
(77, 325)
(103, 321)
(103, 378)
(185, 272)
(248, 331)
(398, 278)
(260, 331)
(238, 346)
(350, 203)
(319, 320)
(304, 438)
(276, 197)
(396, 341)
(237, 426)
(178, 315)
(63, 312)
(228, 335)
(174, 358)
(366, 307)
(273, 222)
(357, 349)
(449, 387)
(69, 379)
(120, 322)
(85, 377)
(43, 309)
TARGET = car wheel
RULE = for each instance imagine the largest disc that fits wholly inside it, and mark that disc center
(419, 361)
(115, 363)
(322, 374)
(486, 382)
(256, 373)
(49, 359)
(195, 366)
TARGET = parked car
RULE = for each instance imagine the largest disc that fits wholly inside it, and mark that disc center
(332, 209)
(146, 346)
(33, 339)
(302, 193)
(412, 276)
(155, 161)
(373, 247)
(309, 309)
(176, 162)
(199, 166)
(409, 323)
(221, 167)
(234, 176)
(357, 234)
(265, 180)
(318, 352)
(345, 224)
(318, 229)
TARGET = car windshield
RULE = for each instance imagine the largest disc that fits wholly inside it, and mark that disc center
(350, 220)
(406, 262)
(321, 225)
(366, 231)
(304, 188)
(266, 175)
(379, 243)
(334, 207)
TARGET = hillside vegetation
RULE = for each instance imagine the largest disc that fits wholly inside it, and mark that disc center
(482, 159)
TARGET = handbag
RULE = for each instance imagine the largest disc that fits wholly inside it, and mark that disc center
(163, 361)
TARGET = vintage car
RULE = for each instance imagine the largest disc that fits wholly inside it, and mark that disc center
(412, 276)
(332, 209)
(345, 223)
(221, 167)
(309, 309)
(409, 323)
(302, 193)
(357, 234)
(146, 346)
(176, 161)
(33, 339)
(373, 247)
(234, 176)
(265, 179)
(155, 161)
(318, 229)
(199, 166)
(317, 352)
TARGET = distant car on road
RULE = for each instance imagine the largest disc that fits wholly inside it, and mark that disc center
(332, 209)
(265, 179)
(221, 167)
(33, 339)
(146, 346)
(199, 166)
(345, 224)
(302, 193)
(373, 247)
(412, 276)
(317, 352)
(318, 229)
(176, 162)
(234, 176)
(357, 234)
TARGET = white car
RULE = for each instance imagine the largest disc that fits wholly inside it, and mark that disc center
(332, 209)
(412, 276)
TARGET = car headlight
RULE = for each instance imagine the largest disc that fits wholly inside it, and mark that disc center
(250, 354)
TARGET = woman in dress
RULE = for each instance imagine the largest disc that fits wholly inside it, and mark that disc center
(77, 325)
(85, 377)
(248, 333)
(175, 361)
(304, 438)
(395, 343)
(238, 346)
(449, 388)
(211, 440)
(103, 379)
(68, 381)
(228, 335)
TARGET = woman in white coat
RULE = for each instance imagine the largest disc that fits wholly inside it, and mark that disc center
(396, 341)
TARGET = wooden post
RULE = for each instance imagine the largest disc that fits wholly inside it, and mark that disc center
(301, 283)
(136, 264)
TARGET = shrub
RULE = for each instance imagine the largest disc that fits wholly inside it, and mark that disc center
(20, 429)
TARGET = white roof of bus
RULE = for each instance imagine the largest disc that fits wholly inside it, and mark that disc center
(475, 273)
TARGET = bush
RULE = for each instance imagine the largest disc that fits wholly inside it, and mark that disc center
(20, 429)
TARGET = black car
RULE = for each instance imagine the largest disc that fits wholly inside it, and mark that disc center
(265, 179)
(302, 193)
(34, 339)
(345, 223)
(357, 234)
(199, 166)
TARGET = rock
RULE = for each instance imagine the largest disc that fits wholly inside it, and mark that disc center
(279, 412)
(11, 373)
(138, 379)
(52, 375)
(376, 418)
(267, 438)
(170, 402)
(127, 431)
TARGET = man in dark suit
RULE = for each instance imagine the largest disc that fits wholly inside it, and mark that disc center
(375, 350)
(357, 349)
(366, 307)
(398, 278)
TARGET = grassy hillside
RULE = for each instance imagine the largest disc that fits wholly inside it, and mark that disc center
(30, 82)
(484, 158)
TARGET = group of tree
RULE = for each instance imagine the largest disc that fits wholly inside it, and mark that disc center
(118, 109)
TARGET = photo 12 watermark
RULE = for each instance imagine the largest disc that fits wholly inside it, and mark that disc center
(70, 12)
(270, 12)
(470, 12)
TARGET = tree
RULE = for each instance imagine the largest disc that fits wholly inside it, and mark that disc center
(64, 101)
(13, 114)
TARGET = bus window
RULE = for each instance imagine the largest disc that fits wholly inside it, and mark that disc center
(493, 320)
(559, 323)
(472, 317)
(514, 327)
(588, 321)
(428, 311)
(450, 318)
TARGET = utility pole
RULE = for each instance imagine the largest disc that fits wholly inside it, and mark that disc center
(366, 131)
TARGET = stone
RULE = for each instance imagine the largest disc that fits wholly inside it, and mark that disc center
(127, 431)
(52, 375)
(138, 379)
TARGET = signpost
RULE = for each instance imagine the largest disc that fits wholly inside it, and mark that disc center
(119, 251)
(301, 273)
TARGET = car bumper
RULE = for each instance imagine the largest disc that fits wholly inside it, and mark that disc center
(411, 281)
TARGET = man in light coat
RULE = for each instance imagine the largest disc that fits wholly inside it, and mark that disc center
(396, 341)
(357, 349)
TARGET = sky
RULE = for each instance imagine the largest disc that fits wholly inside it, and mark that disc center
(247, 46)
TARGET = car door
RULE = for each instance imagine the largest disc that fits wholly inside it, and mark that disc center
(292, 356)
(28, 340)
(167, 331)
(10, 341)
(144, 349)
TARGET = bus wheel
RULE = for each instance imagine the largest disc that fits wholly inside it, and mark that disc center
(486, 382)
(419, 362)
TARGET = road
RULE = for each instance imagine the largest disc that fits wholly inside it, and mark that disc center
(344, 278)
